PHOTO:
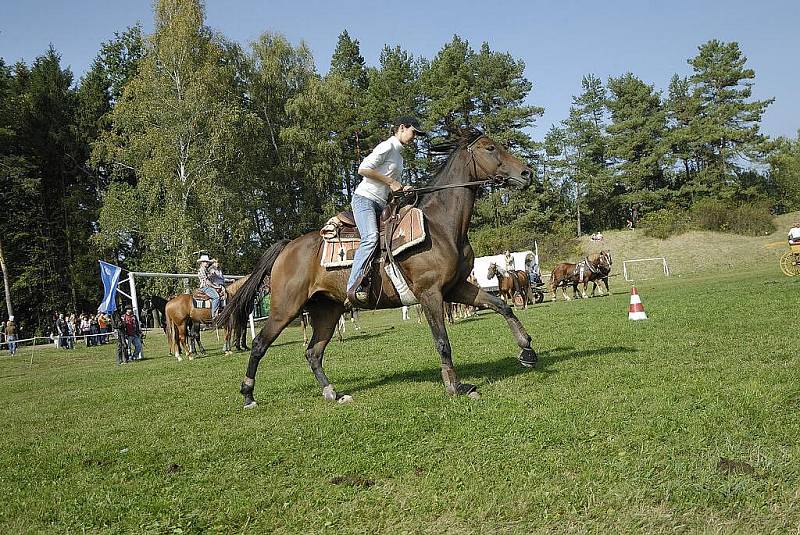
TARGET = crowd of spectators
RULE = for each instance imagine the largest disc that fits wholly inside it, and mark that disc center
(91, 329)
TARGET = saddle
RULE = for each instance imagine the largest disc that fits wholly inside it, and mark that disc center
(200, 299)
(341, 237)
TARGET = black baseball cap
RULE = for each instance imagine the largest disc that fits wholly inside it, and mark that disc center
(411, 121)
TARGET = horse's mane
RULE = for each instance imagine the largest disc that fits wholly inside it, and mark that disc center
(442, 153)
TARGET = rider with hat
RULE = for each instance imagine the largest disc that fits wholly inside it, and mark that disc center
(212, 282)
(382, 170)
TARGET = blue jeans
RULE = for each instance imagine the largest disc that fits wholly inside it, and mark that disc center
(135, 342)
(12, 344)
(214, 295)
(366, 213)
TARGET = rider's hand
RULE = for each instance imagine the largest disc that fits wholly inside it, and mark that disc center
(407, 188)
(396, 186)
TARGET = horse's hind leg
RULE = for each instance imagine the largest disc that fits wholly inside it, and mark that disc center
(472, 295)
(325, 315)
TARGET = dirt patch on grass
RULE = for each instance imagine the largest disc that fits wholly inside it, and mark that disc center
(353, 481)
(731, 466)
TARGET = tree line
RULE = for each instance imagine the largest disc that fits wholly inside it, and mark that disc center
(184, 140)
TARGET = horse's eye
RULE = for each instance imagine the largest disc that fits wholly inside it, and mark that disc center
(490, 148)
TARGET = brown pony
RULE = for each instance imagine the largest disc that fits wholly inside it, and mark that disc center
(436, 270)
(592, 268)
(505, 283)
(179, 312)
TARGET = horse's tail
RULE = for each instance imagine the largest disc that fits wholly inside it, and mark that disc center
(240, 304)
(170, 328)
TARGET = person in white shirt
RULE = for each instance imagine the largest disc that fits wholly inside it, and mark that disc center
(382, 171)
(794, 234)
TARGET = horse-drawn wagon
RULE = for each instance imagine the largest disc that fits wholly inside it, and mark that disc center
(790, 260)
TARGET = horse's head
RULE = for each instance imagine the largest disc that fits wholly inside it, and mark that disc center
(602, 260)
(490, 160)
(492, 272)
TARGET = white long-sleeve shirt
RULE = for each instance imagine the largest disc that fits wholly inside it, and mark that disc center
(387, 159)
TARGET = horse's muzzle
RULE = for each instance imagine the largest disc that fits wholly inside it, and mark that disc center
(522, 181)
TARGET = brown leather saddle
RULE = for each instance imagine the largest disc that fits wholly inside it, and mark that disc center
(341, 237)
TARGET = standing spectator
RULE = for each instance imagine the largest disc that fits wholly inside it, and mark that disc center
(2, 334)
(102, 324)
(122, 346)
(133, 333)
(62, 330)
(11, 335)
(84, 328)
(94, 330)
(72, 331)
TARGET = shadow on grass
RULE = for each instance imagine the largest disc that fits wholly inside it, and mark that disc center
(498, 369)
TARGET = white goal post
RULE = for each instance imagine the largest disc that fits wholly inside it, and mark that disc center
(652, 271)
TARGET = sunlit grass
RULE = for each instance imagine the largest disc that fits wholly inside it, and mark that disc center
(687, 421)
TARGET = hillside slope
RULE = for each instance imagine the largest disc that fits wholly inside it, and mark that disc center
(696, 250)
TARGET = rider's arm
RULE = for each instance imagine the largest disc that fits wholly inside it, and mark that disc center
(374, 174)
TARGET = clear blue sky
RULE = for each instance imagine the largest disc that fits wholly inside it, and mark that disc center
(559, 40)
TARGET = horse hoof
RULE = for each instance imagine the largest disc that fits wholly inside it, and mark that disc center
(228, 353)
(329, 393)
(466, 389)
(528, 357)
(250, 405)
(345, 399)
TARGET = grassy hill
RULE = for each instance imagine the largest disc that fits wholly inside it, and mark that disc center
(696, 251)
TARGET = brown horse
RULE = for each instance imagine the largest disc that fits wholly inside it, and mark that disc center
(179, 312)
(592, 268)
(505, 283)
(436, 270)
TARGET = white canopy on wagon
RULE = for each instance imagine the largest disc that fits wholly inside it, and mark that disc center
(481, 266)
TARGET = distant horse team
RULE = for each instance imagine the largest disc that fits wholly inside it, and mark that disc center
(592, 268)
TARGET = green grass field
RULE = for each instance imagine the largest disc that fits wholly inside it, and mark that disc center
(686, 422)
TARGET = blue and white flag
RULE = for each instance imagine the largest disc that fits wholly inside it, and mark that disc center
(110, 275)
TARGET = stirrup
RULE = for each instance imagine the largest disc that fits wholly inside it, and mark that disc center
(358, 297)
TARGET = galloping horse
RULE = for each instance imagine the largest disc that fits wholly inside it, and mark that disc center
(505, 283)
(183, 317)
(436, 270)
(592, 268)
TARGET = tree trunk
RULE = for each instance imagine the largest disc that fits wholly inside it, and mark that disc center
(6, 281)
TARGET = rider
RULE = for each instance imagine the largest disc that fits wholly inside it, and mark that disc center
(382, 171)
(794, 234)
(512, 272)
(207, 284)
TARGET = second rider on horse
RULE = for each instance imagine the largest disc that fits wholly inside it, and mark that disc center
(212, 281)
(382, 171)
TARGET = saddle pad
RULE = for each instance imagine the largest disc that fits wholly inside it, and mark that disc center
(201, 303)
(410, 231)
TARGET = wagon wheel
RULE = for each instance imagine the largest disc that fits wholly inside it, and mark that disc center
(538, 297)
(790, 264)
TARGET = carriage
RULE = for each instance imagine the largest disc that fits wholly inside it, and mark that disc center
(790, 260)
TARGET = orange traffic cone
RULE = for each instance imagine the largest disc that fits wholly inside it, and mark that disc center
(636, 309)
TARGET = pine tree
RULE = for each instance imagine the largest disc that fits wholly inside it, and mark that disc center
(636, 133)
(727, 126)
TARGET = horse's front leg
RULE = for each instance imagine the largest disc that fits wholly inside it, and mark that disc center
(433, 306)
(605, 283)
(470, 294)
